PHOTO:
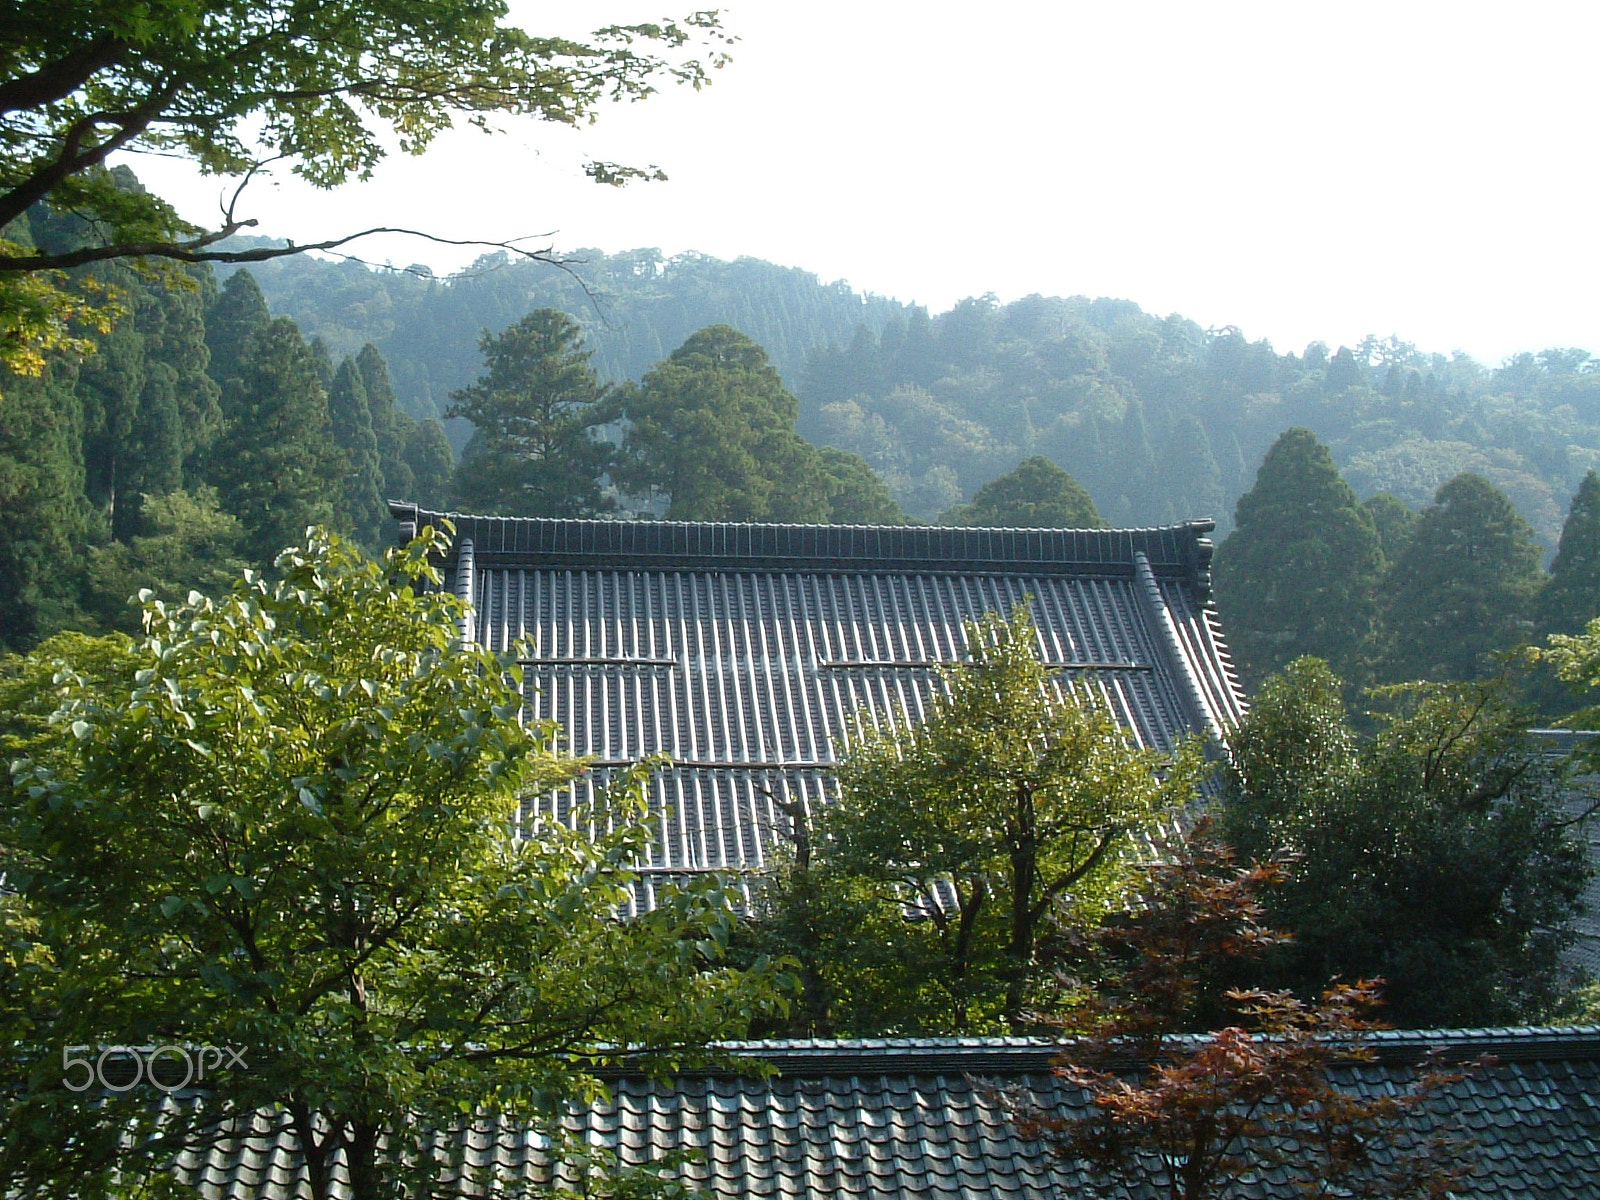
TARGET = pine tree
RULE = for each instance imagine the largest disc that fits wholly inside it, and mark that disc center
(235, 317)
(1036, 494)
(277, 467)
(1298, 574)
(363, 505)
(1464, 589)
(537, 410)
(1571, 597)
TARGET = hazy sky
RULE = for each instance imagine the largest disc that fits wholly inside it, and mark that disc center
(1299, 169)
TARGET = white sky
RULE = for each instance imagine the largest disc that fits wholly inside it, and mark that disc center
(1299, 168)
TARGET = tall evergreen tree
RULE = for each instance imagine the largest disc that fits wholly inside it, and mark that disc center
(390, 426)
(712, 429)
(1299, 572)
(277, 467)
(537, 410)
(1036, 494)
(1570, 598)
(235, 317)
(1464, 589)
(43, 512)
(429, 460)
(362, 505)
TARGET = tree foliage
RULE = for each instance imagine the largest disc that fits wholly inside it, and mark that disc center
(1206, 1117)
(1437, 854)
(1465, 588)
(1037, 494)
(1298, 574)
(1016, 796)
(711, 429)
(537, 409)
(289, 821)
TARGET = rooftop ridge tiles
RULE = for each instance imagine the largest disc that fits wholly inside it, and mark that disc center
(1183, 547)
(815, 1058)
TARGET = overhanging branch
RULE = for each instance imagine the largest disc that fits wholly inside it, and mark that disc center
(199, 250)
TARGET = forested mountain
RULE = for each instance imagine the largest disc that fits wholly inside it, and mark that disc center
(634, 309)
(1159, 419)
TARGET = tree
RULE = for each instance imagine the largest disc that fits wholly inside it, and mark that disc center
(1298, 574)
(390, 426)
(277, 466)
(186, 543)
(1438, 854)
(1037, 494)
(362, 501)
(1394, 522)
(326, 88)
(1464, 589)
(289, 822)
(1570, 598)
(712, 429)
(429, 461)
(537, 409)
(236, 315)
(1208, 1117)
(1014, 797)
(856, 493)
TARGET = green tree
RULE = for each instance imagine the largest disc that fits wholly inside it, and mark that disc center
(1298, 574)
(856, 493)
(390, 426)
(537, 409)
(1037, 494)
(362, 502)
(712, 429)
(187, 543)
(1394, 522)
(1465, 587)
(277, 466)
(235, 316)
(1570, 598)
(429, 461)
(1437, 854)
(286, 822)
(328, 89)
(1015, 797)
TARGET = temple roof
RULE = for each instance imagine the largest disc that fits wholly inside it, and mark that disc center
(896, 1119)
(744, 651)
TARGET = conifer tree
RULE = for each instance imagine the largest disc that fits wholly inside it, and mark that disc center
(238, 313)
(1465, 587)
(277, 467)
(390, 426)
(1298, 574)
(713, 429)
(1036, 494)
(1571, 597)
(363, 501)
(429, 460)
(856, 493)
(537, 410)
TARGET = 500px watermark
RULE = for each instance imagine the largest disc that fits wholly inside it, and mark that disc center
(170, 1068)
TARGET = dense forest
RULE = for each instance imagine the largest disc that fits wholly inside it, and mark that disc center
(1160, 419)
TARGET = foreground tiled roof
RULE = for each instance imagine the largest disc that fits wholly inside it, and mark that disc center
(743, 650)
(892, 1120)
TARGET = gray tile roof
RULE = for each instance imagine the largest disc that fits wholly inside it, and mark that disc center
(744, 650)
(891, 1120)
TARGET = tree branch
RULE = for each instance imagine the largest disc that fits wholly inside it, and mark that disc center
(59, 79)
(197, 250)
